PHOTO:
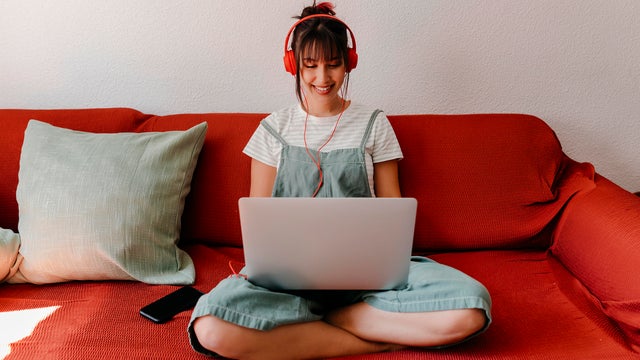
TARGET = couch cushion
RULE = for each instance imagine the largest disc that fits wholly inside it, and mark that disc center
(221, 178)
(484, 181)
(14, 122)
(104, 206)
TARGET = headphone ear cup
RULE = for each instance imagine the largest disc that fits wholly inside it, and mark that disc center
(353, 59)
(290, 62)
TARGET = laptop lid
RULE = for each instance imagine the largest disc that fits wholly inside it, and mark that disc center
(327, 243)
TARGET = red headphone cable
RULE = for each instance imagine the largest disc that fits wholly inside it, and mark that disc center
(315, 160)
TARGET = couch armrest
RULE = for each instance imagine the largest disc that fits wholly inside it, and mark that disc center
(598, 240)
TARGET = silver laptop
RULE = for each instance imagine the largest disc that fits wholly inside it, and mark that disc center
(327, 243)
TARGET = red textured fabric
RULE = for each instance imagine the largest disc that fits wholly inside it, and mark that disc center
(221, 177)
(598, 238)
(14, 122)
(100, 320)
(484, 181)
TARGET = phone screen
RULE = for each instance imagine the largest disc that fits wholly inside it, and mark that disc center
(165, 308)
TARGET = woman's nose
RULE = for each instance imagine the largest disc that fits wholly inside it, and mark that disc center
(322, 73)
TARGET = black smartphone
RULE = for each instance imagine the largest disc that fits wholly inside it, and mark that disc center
(165, 308)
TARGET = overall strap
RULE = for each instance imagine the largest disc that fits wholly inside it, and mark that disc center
(273, 132)
(367, 132)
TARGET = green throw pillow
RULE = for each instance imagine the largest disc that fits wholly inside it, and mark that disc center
(104, 206)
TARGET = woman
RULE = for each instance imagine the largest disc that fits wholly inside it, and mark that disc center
(328, 146)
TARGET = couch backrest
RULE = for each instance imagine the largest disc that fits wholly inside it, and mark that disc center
(482, 181)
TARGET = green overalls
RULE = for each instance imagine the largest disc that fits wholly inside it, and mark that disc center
(344, 170)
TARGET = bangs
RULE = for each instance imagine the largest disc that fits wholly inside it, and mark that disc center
(321, 50)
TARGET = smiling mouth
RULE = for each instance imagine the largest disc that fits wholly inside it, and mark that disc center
(322, 89)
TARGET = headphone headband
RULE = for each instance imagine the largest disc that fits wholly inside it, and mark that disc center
(289, 57)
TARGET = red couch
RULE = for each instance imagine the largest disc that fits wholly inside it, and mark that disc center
(556, 244)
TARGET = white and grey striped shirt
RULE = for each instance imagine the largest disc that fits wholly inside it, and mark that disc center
(382, 144)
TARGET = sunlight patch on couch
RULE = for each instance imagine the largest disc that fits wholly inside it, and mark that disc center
(17, 325)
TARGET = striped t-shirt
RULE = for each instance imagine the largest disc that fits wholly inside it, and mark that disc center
(382, 144)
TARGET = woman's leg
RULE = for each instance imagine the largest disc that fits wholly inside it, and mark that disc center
(240, 320)
(425, 329)
(309, 340)
(356, 329)
(439, 306)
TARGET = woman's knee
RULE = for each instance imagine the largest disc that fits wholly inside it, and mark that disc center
(442, 328)
(463, 323)
(220, 337)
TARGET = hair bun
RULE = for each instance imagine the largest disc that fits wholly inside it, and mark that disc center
(326, 8)
(322, 8)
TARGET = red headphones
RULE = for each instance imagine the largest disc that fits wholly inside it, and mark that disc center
(290, 59)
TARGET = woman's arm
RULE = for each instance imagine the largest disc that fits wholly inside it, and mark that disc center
(385, 179)
(263, 177)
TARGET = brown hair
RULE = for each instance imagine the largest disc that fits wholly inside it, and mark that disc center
(320, 38)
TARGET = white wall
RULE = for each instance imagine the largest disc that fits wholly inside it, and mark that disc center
(575, 64)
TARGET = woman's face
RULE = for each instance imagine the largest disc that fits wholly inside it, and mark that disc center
(321, 80)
